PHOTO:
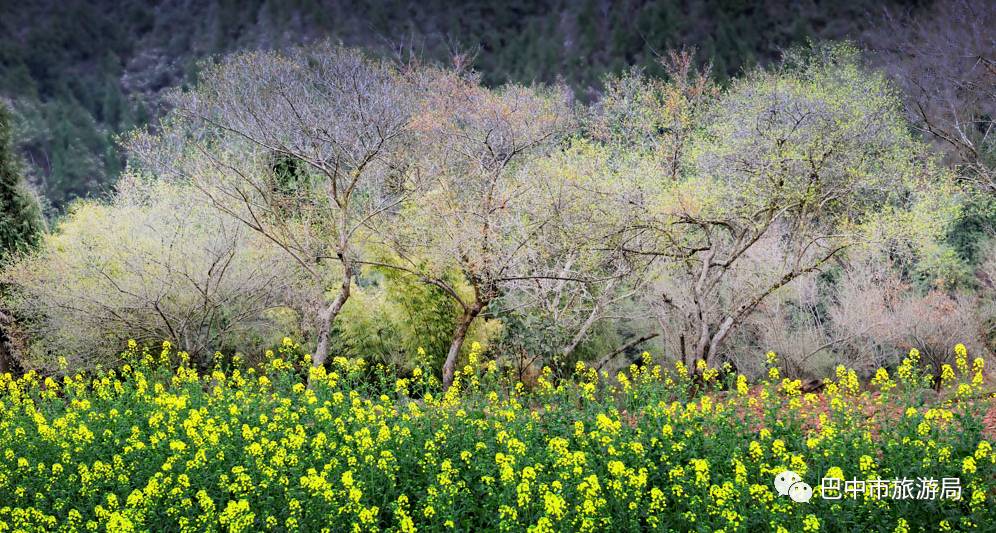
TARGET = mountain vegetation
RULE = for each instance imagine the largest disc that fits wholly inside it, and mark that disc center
(80, 74)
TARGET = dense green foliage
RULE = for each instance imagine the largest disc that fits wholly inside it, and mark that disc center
(20, 217)
(394, 316)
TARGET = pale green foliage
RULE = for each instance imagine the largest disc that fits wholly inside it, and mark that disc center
(555, 321)
(823, 140)
(820, 133)
(764, 184)
(156, 263)
(655, 117)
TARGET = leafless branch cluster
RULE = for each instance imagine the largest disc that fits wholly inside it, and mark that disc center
(714, 223)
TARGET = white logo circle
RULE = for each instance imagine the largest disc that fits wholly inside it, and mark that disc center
(785, 480)
(800, 492)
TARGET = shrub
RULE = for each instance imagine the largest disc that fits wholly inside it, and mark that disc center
(156, 261)
(397, 320)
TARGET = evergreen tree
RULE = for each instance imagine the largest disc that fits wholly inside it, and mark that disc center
(20, 215)
(20, 225)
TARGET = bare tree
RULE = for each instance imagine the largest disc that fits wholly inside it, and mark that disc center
(814, 324)
(876, 317)
(596, 283)
(483, 214)
(944, 59)
(306, 148)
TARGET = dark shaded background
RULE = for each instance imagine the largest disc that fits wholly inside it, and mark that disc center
(79, 73)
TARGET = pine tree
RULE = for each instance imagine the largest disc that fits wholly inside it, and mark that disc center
(20, 215)
(21, 225)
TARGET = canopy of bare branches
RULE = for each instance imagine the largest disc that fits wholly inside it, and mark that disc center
(320, 189)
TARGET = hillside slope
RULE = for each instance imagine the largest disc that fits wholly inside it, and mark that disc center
(80, 73)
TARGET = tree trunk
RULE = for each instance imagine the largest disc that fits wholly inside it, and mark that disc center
(684, 352)
(717, 340)
(701, 345)
(327, 317)
(459, 335)
(5, 355)
(606, 358)
(593, 317)
(7, 363)
(581, 333)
